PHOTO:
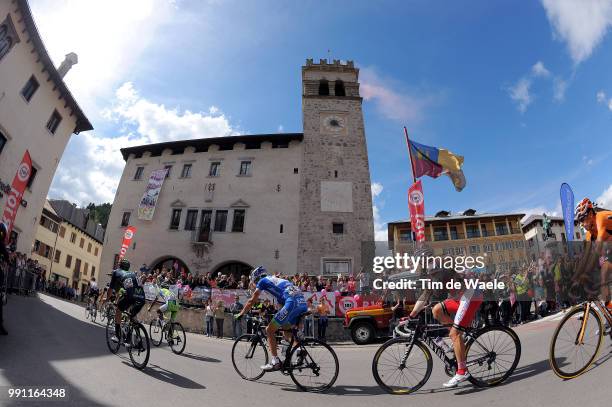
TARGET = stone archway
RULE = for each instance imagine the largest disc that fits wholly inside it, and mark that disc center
(169, 263)
(233, 267)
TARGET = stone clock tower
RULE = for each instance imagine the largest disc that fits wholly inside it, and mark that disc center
(335, 191)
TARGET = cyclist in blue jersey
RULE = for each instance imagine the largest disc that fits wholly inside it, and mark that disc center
(289, 296)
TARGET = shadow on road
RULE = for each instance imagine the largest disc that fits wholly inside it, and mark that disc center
(165, 375)
(40, 335)
(200, 358)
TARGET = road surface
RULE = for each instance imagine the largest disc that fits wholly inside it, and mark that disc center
(51, 344)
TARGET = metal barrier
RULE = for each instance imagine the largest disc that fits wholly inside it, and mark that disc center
(15, 280)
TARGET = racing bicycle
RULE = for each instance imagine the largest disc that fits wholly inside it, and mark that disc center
(91, 311)
(133, 336)
(171, 331)
(312, 364)
(577, 340)
(402, 365)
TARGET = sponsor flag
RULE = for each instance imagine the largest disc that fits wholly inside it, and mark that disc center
(416, 204)
(13, 200)
(128, 235)
(567, 205)
(434, 161)
(146, 208)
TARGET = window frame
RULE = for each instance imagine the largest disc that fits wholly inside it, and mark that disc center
(123, 219)
(216, 226)
(335, 225)
(242, 220)
(54, 122)
(32, 89)
(248, 166)
(217, 166)
(175, 225)
(186, 171)
(139, 173)
(194, 220)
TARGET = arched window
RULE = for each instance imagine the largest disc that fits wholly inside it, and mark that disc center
(323, 88)
(339, 88)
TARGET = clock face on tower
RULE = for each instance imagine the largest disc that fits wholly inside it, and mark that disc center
(333, 123)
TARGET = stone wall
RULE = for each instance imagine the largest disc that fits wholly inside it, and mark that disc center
(192, 320)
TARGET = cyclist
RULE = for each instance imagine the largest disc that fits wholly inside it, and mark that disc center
(463, 304)
(92, 293)
(170, 305)
(289, 296)
(130, 295)
(598, 226)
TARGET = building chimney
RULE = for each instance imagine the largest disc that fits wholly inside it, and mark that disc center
(71, 59)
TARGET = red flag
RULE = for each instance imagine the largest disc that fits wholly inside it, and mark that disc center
(416, 204)
(14, 198)
(127, 239)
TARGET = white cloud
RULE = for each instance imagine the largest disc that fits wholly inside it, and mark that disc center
(92, 165)
(519, 93)
(397, 105)
(601, 96)
(280, 129)
(538, 69)
(109, 37)
(582, 24)
(559, 87)
(605, 200)
(380, 228)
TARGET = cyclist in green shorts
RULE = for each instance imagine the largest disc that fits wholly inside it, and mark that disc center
(171, 304)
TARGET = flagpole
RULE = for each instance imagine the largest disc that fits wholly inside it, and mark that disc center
(410, 152)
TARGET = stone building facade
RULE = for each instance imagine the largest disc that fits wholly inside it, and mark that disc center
(37, 113)
(495, 236)
(294, 202)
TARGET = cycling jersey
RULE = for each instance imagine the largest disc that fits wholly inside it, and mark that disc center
(132, 297)
(286, 294)
(279, 288)
(603, 226)
(171, 303)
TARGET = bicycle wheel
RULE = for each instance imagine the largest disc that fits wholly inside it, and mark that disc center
(492, 354)
(102, 314)
(87, 312)
(569, 359)
(397, 372)
(156, 332)
(313, 365)
(94, 314)
(178, 339)
(249, 353)
(110, 332)
(139, 348)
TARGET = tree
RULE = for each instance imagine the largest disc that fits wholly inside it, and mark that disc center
(100, 213)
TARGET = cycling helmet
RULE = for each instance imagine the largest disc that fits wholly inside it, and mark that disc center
(164, 285)
(258, 273)
(124, 264)
(583, 208)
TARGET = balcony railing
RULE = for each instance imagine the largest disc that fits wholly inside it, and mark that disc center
(201, 236)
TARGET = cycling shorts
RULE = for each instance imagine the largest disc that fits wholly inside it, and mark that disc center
(131, 301)
(172, 307)
(291, 312)
(463, 309)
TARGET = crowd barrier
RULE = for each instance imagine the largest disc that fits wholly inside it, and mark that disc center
(15, 280)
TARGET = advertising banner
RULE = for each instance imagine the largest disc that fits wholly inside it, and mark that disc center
(13, 199)
(567, 206)
(146, 208)
(416, 204)
(128, 235)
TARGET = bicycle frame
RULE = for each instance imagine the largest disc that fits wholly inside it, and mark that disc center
(599, 306)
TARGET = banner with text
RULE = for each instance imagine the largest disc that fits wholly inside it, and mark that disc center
(13, 199)
(146, 208)
(128, 235)
(416, 204)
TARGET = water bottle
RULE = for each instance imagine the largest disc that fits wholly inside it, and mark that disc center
(442, 343)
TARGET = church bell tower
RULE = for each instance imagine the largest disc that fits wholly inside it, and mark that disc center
(335, 187)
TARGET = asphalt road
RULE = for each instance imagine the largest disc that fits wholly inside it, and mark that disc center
(51, 344)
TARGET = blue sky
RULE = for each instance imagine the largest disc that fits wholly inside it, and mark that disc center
(520, 89)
